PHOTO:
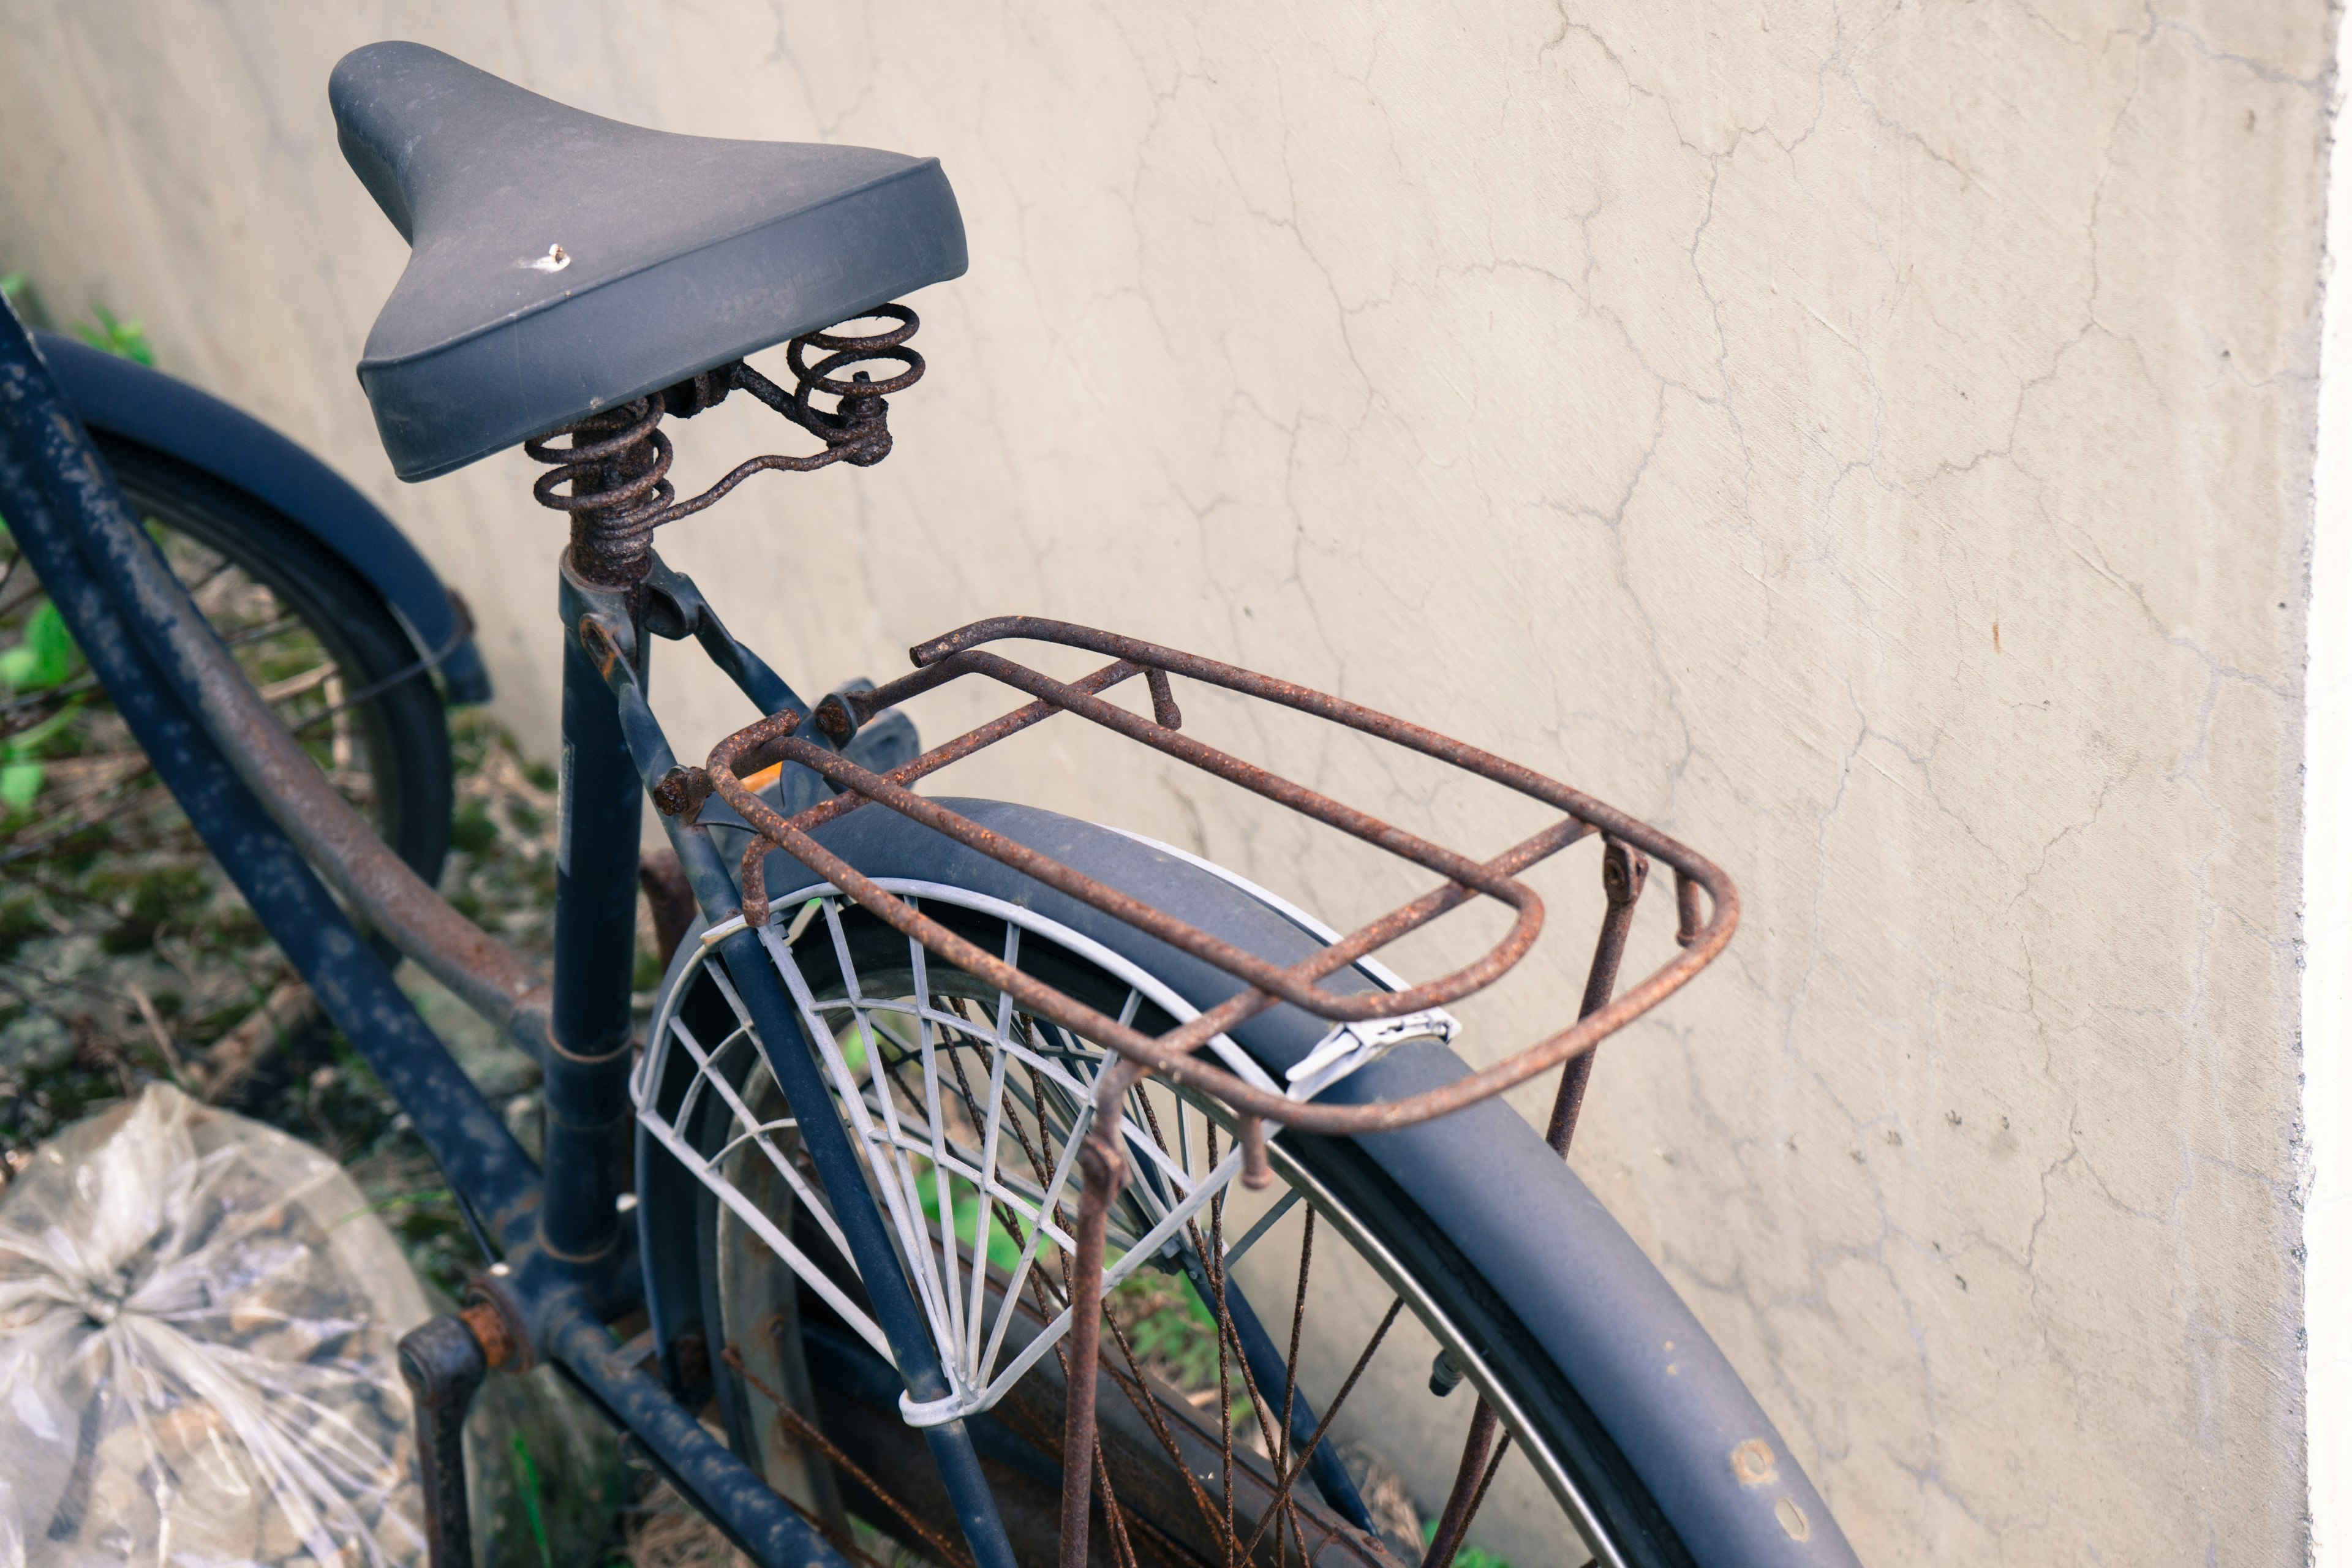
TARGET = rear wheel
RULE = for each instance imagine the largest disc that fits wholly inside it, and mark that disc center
(1335, 1279)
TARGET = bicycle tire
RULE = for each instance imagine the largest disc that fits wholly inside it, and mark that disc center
(1617, 1512)
(405, 725)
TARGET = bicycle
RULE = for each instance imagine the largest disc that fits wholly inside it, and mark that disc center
(935, 1081)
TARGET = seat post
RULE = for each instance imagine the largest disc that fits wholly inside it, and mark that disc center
(615, 462)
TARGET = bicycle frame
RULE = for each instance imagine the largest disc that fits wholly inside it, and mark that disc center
(565, 1264)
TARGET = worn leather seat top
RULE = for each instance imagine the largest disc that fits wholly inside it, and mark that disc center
(563, 262)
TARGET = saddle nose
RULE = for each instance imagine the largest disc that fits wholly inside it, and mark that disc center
(562, 263)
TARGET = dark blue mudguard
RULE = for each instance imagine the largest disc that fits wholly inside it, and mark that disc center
(119, 397)
(1680, 1416)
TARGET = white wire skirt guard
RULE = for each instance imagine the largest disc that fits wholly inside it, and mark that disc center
(911, 1140)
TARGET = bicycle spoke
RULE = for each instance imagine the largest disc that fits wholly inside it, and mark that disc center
(1290, 1366)
(808, 1431)
(1289, 1477)
(1224, 1375)
(1230, 1333)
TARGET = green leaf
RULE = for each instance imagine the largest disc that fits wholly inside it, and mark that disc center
(20, 783)
(47, 656)
(127, 339)
(1466, 1555)
(526, 1483)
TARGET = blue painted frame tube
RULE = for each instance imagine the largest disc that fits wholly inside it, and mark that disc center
(722, 1484)
(587, 1083)
(794, 1058)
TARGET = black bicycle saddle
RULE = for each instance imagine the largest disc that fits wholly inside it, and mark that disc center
(562, 262)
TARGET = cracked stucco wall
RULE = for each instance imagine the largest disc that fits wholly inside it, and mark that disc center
(1873, 441)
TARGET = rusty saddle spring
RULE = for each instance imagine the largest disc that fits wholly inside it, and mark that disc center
(617, 461)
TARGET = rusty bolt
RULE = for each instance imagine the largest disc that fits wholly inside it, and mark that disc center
(1623, 869)
(681, 792)
(833, 717)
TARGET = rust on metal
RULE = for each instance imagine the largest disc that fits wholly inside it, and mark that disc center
(833, 719)
(1705, 924)
(611, 480)
(1102, 1166)
(1753, 1463)
(483, 972)
(488, 1326)
(599, 646)
(1469, 1488)
(807, 1431)
(681, 792)
(1306, 1453)
(669, 897)
(611, 476)
(1623, 872)
(614, 463)
(1164, 711)
(1256, 1174)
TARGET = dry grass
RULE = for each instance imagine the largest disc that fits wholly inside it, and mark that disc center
(662, 1531)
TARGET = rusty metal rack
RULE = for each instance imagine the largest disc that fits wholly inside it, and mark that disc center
(1707, 904)
(1105, 1141)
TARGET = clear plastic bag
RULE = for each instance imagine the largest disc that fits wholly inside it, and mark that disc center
(197, 1327)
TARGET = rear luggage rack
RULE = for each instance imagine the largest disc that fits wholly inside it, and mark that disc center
(1706, 904)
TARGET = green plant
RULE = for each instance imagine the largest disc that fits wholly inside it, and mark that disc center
(46, 658)
(116, 336)
(1172, 1330)
(526, 1483)
(471, 830)
(21, 773)
(1466, 1555)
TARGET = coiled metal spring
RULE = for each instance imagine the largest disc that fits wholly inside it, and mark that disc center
(615, 466)
(617, 461)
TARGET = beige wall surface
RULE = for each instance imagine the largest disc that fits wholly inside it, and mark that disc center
(1873, 441)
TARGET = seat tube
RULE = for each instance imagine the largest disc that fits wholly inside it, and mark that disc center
(587, 1070)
